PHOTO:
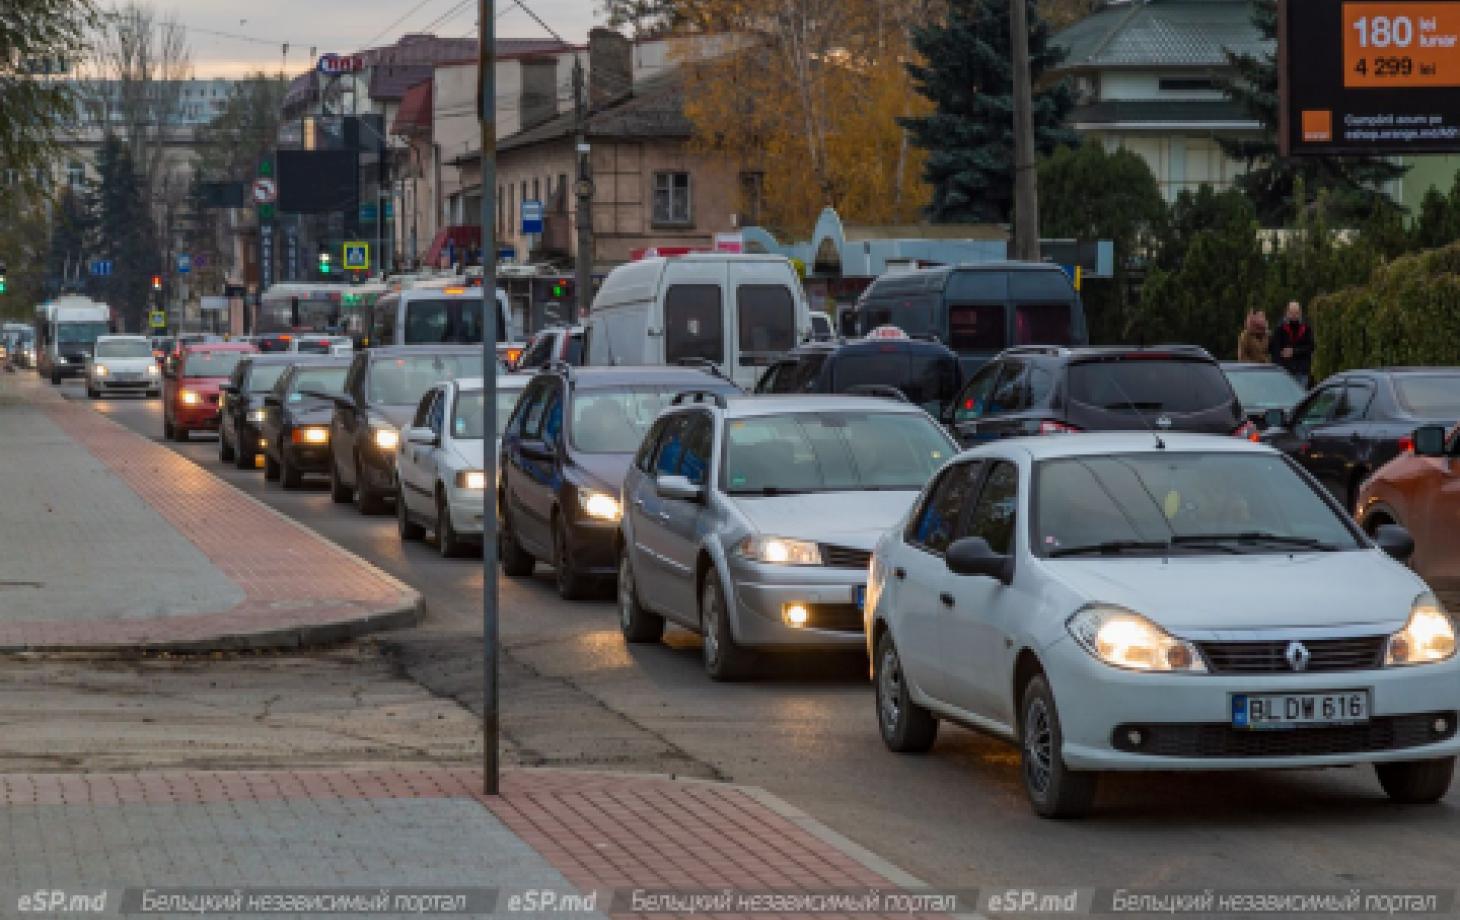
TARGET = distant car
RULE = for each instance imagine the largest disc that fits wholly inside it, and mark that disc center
(1261, 388)
(1353, 423)
(925, 372)
(822, 328)
(382, 390)
(439, 468)
(309, 343)
(1108, 603)
(509, 390)
(564, 455)
(162, 348)
(752, 520)
(555, 343)
(294, 435)
(190, 386)
(1041, 389)
(241, 406)
(122, 364)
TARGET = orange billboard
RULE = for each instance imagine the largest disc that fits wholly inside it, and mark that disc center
(1395, 45)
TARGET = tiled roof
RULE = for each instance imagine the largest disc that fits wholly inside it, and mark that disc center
(414, 115)
(654, 109)
(1162, 111)
(1162, 33)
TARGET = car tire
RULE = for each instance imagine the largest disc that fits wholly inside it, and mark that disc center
(1416, 782)
(271, 469)
(245, 459)
(725, 659)
(448, 541)
(55, 378)
(906, 727)
(516, 561)
(1054, 790)
(92, 393)
(167, 432)
(571, 585)
(367, 501)
(637, 624)
(226, 452)
(409, 529)
(181, 434)
(289, 475)
(154, 394)
(340, 493)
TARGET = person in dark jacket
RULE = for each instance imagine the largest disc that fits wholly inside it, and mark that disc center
(1292, 344)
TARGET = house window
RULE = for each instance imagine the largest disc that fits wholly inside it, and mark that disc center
(1187, 85)
(562, 199)
(752, 194)
(75, 173)
(672, 198)
(536, 190)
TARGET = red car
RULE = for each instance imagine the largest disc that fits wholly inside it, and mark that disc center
(190, 386)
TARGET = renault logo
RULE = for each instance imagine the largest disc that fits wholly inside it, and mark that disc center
(1298, 656)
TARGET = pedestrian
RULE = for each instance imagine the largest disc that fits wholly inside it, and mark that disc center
(1292, 344)
(1254, 344)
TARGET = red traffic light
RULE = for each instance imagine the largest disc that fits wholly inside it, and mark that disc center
(156, 282)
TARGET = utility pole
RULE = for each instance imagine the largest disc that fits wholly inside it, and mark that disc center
(487, 107)
(1026, 192)
(583, 190)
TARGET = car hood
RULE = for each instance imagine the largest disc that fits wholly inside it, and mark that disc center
(315, 413)
(128, 365)
(470, 453)
(855, 519)
(399, 416)
(1201, 596)
(604, 471)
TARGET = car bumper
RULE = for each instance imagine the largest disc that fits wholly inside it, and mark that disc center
(763, 592)
(378, 469)
(593, 547)
(467, 510)
(196, 417)
(112, 382)
(1187, 718)
(68, 370)
(309, 458)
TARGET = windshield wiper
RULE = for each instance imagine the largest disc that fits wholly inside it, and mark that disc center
(1110, 548)
(770, 491)
(1254, 536)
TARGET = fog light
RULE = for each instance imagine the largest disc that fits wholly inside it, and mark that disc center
(1442, 726)
(1134, 737)
(263, 442)
(796, 614)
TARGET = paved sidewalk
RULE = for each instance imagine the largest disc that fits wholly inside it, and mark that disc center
(173, 557)
(414, 830)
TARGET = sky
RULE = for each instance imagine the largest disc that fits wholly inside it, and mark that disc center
(256, 29)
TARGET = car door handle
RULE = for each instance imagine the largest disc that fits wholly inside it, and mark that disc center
(899, 572)
(946, 598)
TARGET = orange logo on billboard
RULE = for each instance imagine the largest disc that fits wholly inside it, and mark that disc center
(1317, 125)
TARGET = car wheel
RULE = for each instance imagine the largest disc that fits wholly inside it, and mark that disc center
(226, 452)
(367, 501)
(92, 393)
(340, 493)
(55, 378)
(516, 561)
(571, 585)
(907, 728)
(637, 624)
(409, 529)
(154, 394)
(180, 434)
(271, 468)
(725, 659)
(167, 432)
(289, 475)
(1416, 782)
(448, 541)
(1054, 789)
(245, 459)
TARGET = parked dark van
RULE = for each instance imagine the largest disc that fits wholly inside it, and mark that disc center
(978, 310)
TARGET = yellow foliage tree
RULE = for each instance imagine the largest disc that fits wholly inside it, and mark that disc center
(810, 101)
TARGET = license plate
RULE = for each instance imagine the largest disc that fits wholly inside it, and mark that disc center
(859, 596)
(1267, 711)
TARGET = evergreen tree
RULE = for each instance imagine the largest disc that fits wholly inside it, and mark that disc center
(124, 232)
(1349, 185)
(68, 244)
(970, 135)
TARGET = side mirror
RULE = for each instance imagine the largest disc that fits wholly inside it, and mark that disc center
(425, 437)
(1429, 441)
(535, 449)
(1274, 418)
(271, 400)
(678, 487)
(972, 556)
(1396, 541)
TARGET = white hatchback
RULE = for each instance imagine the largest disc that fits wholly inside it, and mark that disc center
(1123, 602)
(123, 363)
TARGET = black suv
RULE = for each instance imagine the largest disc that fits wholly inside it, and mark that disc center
(565, 453)
(926, 372)
(241, 406)
(295, 434)
(382, 389)
(1050, 389)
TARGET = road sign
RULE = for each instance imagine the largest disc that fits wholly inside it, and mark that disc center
(1369, 78)
(264, 191)
(357, 257)
(99, 268)
(157, 319)
(200, 261)
(531, 215)
(184, 263)
(334, 64)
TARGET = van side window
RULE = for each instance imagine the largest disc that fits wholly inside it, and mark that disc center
(694, 323)
(383, 332)
(977, 327)
(765, 315)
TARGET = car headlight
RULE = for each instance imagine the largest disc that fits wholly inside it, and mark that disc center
(475, 480)
(314, 434)
(1124, 639)
(386, 438)
(100, 370)
(61, 359)
(779, 550)
(599, 505)
(1429, 636)
(257, 416)
(189, 398)
(153, 370)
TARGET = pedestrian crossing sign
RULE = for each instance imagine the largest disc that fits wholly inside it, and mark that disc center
(357, 257)
(157, 319)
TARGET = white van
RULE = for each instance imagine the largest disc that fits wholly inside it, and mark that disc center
(439, 312)
(739, 312)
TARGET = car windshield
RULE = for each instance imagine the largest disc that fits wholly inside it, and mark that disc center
(831, 452)
(78, 333)
(211, 363)
(262, 377)
(614, 421)
(320, 379)
(1429, 395)
(124, 348)
(466, 419)
(1265, 389)
(453, 319)
(1149, 384)
(402, 381)
(1165, 502)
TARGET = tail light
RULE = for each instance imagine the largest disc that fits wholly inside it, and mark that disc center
(1249, 431)
(1406, 444)
(1051, 427)
(513, 355)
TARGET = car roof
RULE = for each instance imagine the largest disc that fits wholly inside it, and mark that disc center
(405, 351)
(1190, 352)
(779, 404)
(1404, 370)
(690, 378)
(1104, 443)
(294, 357)
(1252, 366)
(220, 346)
(512, 381)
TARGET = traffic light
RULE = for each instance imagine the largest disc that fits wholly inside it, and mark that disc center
(325, 261)
(562, 289)
(2, 279)
(156, 282)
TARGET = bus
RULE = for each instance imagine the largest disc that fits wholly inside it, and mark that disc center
(301, 307)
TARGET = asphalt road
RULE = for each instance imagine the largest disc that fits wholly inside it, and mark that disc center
(575, 695)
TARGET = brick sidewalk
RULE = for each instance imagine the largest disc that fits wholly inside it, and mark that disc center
(598, 831)
(298, 587)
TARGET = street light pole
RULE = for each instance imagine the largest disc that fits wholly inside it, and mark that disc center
(487, 107)
(1026, 193)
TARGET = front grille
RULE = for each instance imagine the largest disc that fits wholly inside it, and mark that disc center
(1269, 657)
(836, 617)
(845, 557)
(1218, 739)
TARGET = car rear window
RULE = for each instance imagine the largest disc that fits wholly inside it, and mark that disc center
(977, 327)
(1429, 395)
(211, 363)
(927, 380)
(1149, 385)
(1265, 389)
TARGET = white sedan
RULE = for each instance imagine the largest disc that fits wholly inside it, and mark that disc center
(1128, 602)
